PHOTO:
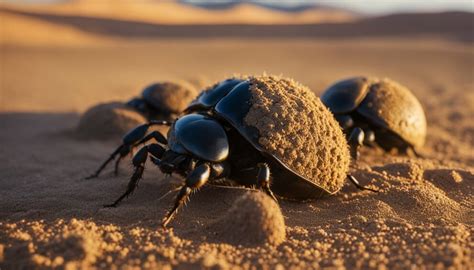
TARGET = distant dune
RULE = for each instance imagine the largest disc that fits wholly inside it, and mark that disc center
(24, 30)
(448, 25)
(169, 12)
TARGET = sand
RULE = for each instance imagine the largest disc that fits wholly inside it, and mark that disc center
(50, 216)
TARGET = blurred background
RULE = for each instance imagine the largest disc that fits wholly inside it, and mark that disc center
(66, 55)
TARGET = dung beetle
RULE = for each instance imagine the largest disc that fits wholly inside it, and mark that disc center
(266, 132)
(380, 111)
(163, 100)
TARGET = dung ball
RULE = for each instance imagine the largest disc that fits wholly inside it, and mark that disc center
(254, 219)
(169, 97)
(107, 121)
(296, 128)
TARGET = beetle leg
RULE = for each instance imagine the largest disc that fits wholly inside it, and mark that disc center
(345, 121)
(133, 138)
(369, 137)
(160, 122)
(196, 179)
(122, 151)
(356, 140)
(153, 135)
(358, 185)
(117, 164)
(417, 154)
(263, 179)
(139, 160)
(139, 163)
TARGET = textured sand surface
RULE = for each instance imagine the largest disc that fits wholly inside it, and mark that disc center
(299, 130)
(50, 216)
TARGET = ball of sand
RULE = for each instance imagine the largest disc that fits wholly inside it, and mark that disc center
(108, 121)
(392, 105)
(254, 219)
(169, 97)
(296, 128)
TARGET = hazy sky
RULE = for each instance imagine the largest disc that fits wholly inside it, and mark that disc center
(364, 6)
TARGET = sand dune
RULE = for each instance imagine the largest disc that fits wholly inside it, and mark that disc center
(26, 31)
(170, 12)
(448, 25)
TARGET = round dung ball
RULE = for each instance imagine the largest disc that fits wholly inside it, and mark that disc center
(107, 121)
(169, 97)
(254, 219)
(298, 130)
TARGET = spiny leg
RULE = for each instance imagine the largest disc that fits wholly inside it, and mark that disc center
(358, 185)
(196, 179)
(153, 135)
(263, 179)
(104, 164)
(139, 163)
(356, 139)
(133, 138)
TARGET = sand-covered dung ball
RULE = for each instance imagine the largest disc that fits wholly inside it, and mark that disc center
(108, 121)
(296, 128)
(254, 219)
(169, 97)
(393, 105)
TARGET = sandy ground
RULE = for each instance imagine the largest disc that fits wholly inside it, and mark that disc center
(50, 216)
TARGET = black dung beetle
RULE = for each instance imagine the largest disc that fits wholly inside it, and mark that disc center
(382, 111)
(229, 133)
(163, 100)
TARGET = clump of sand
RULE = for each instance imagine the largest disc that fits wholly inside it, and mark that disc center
(254, 219)
(107, 121)
(169, 97)
(299, 130)
(410, 170)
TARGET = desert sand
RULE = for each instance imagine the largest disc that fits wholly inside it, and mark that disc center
(51, 217)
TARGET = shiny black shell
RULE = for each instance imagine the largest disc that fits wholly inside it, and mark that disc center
(230, 101)
(383, 103)
(200, 135)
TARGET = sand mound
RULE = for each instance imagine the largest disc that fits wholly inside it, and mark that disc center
(408, 170)
(108, 121)
(169, 97)
(254, 219)
(299, 130)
